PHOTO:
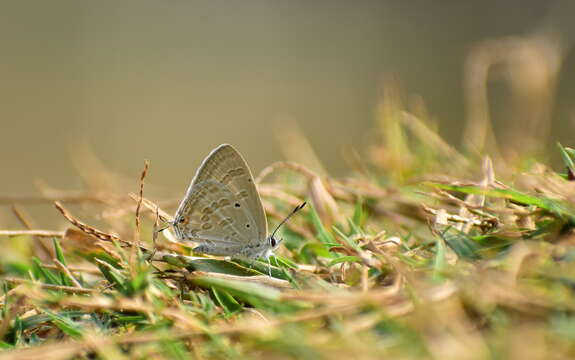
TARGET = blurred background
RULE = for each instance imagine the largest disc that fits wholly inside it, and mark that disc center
(120, 82)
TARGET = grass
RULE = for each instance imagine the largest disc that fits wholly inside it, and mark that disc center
(408, 257)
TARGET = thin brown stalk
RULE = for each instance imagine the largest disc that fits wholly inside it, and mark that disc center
(353, 158)
(15, 307)
(296, 147)
(425, 134)
(153, 207)
(446, 197)
(67, 197)
(71, 289)
(44, 252)
(136, 243)
(273, 192)
(39, 233)
(451, 217)
(91, 230)
(74, 268)
(142, 177)
(284, 165)
(66, 271)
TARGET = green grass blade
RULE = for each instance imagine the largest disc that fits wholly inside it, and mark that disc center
(47, 275)
(461, 244)
(567, 157)
(113, 276)
(346, 239)
(65, 324)
(322, 234)
(359, 214)
(343, 259)
(226, 301)
(62, 259)
(58, 250)
(439, 262)
(554, 206)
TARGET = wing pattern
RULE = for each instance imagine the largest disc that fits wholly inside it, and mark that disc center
(222, 210)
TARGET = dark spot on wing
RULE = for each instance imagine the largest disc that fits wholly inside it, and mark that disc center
(206, 226)
(224, 202)
(242, 194)
(226, 221)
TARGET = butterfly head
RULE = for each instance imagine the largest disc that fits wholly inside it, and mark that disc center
(177, 225)
(269, 247)
(273, 243)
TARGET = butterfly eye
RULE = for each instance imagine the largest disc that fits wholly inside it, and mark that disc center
(273, 242)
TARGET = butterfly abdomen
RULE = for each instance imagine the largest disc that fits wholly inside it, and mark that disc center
(215, 250)
(252, 251)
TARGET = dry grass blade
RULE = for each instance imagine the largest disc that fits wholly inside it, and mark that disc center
(40, 249)
(285, 165)
(39, 233)
(442, 214)
(296, 147)
(84, 227)
(78, 269)
(70, 289)
(89, 229)
(264, 280)
(433, 139)
(66, 271)
(136, 243)
(152, 207)
(67, 197)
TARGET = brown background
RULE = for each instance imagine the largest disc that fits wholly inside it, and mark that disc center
(169, 80)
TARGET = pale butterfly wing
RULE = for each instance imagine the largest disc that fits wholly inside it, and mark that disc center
(222, 209)
(210, 217)
(225, 165)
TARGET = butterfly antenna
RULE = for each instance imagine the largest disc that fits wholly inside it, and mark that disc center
(157, 231)
(164, 228)
(297, 208)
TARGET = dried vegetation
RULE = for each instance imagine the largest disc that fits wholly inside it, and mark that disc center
(424, 252)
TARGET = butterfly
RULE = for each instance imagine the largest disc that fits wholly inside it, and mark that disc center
(222, 211)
